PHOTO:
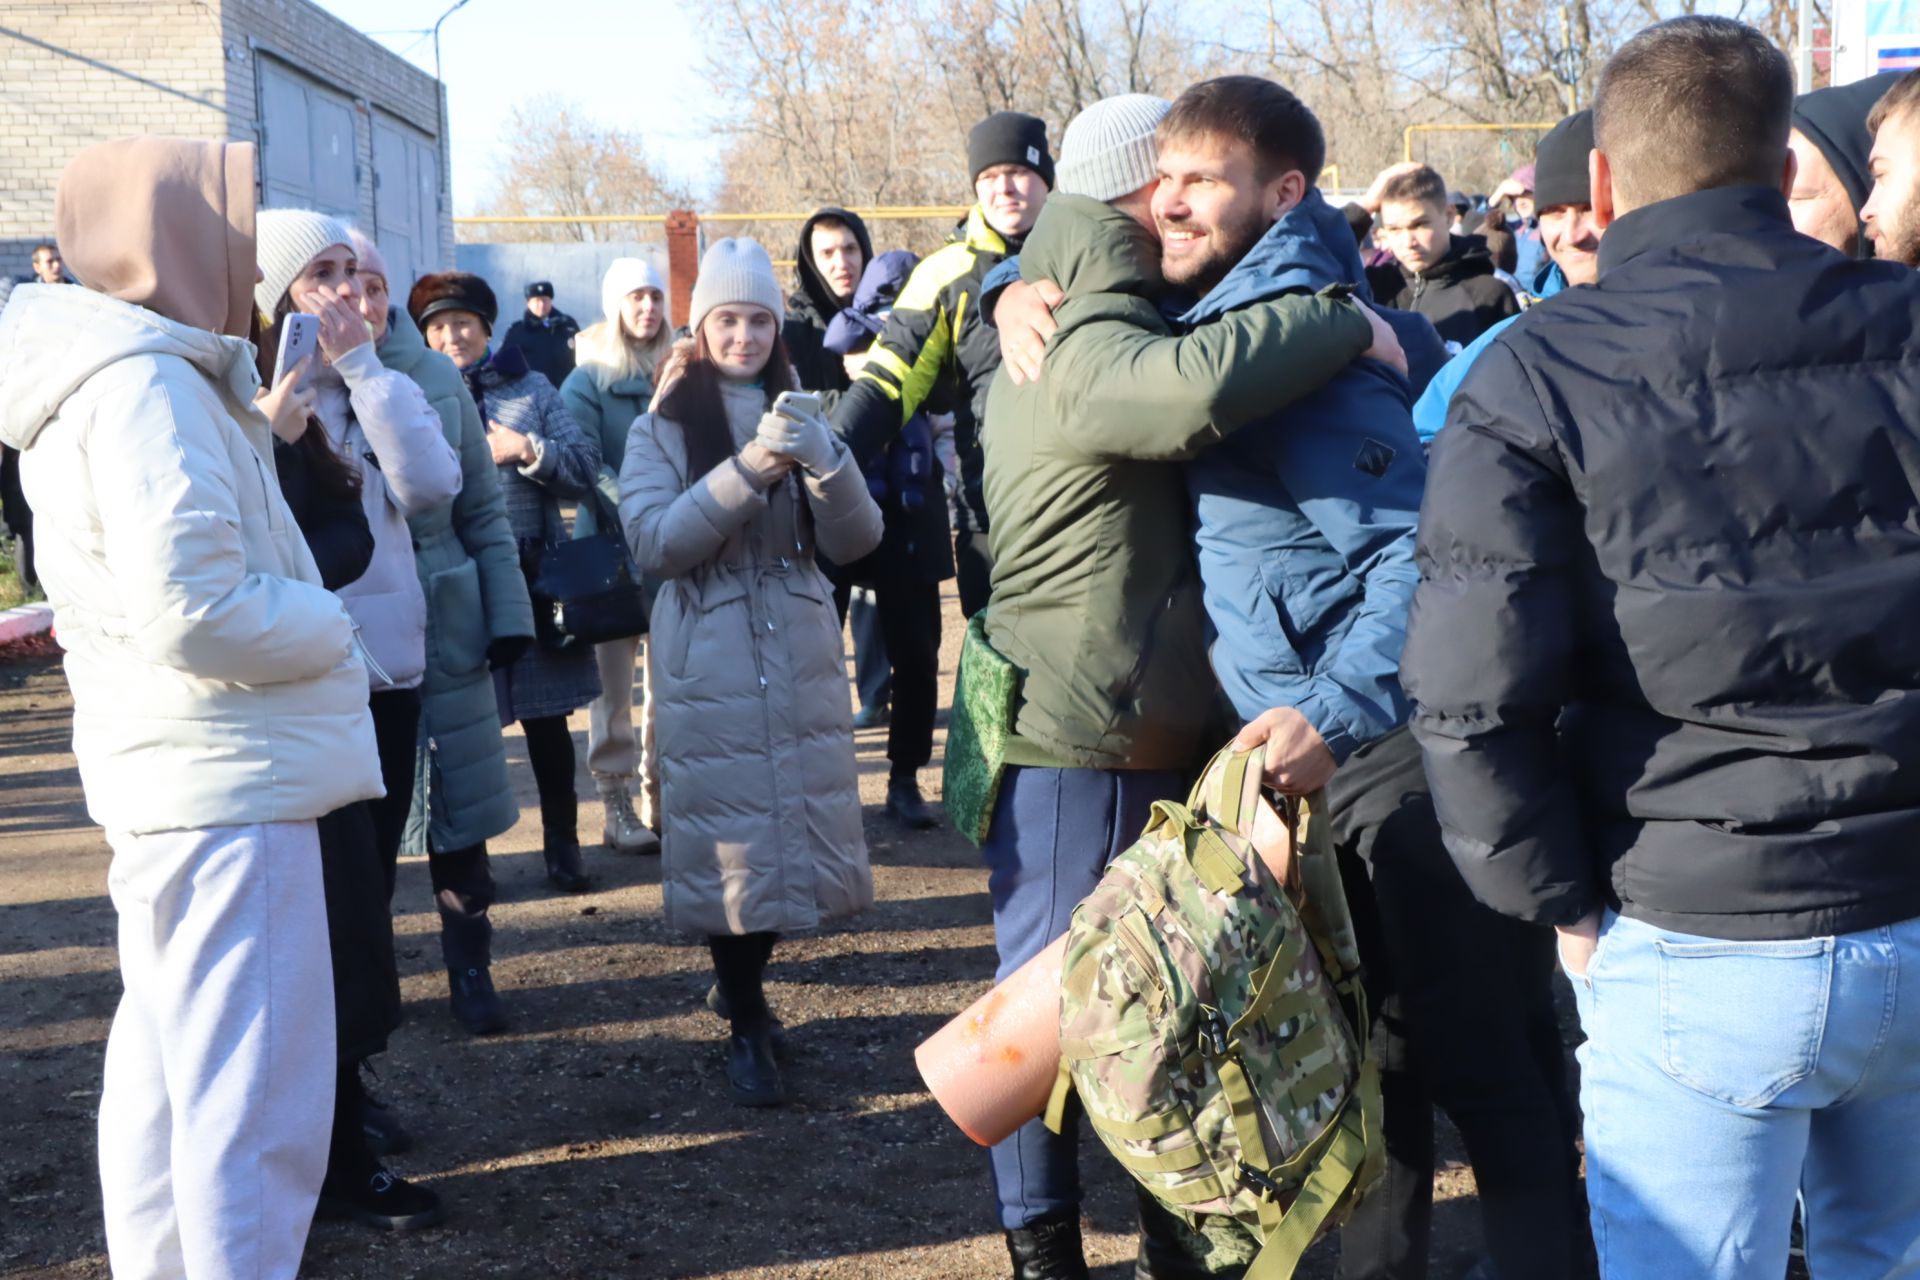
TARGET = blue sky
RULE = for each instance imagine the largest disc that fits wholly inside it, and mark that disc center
(638, 64)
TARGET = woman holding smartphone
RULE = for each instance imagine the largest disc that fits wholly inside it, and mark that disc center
(726, 491)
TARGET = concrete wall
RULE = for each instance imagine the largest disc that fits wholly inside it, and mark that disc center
(574, 269)
(76, 72)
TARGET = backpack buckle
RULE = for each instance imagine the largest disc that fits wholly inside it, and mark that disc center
(1213, 1032)
(1266, 1188)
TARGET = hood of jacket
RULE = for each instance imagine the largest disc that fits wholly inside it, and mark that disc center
(54, 337)
(862, 320)
(1835, 121)
(814, 289)
(1089, 248)
(502, 365)
(1309, 247)
(166, 224)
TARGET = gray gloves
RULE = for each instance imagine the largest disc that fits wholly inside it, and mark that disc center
(804, 437)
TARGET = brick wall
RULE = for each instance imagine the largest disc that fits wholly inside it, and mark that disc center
(82, 71)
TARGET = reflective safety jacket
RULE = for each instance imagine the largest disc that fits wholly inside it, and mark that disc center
(934, 351)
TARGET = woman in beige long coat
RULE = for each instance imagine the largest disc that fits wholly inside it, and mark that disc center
(725, 500)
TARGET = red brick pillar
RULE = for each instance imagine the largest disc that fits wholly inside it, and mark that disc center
(683, 260)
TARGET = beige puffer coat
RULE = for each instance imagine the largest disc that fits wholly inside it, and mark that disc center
(754, 714)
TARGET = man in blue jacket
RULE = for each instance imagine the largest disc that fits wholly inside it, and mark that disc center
(1305, 528)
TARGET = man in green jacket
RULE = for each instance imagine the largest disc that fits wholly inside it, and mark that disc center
(1096, 596)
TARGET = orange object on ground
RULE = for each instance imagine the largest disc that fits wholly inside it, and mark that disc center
(992, 1068)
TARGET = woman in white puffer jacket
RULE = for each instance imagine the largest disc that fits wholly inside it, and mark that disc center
(219, 704)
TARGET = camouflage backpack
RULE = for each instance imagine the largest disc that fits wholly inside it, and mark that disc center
(1208, 1018)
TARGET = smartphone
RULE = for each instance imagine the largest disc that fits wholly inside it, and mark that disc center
(299, 338)
(804, 404)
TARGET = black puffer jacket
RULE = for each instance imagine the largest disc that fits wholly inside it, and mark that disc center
(1666, 647)
(1460, 295)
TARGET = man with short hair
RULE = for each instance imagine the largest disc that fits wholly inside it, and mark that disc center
(1572, 240)
(544, 334)
(1096, 599)
(47, 265)
(1666, 679)
(1448, 279)
(1892, 211)
(1830, 142)
(936, 346)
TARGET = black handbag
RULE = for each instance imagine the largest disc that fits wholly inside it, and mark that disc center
(587, 590)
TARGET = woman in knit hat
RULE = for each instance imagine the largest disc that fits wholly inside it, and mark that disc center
(609, 387)
(726, 499)
(379, 425)
(541, 456)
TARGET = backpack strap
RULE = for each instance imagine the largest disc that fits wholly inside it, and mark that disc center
(1346, 1162)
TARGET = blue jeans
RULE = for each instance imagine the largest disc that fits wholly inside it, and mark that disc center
(1721, 1078)
(1053, 833)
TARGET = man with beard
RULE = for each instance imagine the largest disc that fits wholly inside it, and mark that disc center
(1892, 211)
(1306, 520)
(1096, 600)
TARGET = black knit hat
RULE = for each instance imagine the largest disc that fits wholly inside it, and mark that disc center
(452, 291)
(1560, 173)
(1010, 137)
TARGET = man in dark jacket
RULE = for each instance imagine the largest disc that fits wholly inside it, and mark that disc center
(1667, 679)
(1448, 279)
(935, 344)
(831, 255)
(544, 334)
(1830, 142)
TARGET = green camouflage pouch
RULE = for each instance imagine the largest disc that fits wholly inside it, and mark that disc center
(986, 697)
(1212, 1023)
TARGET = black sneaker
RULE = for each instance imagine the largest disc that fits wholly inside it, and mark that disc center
(385, 1135)
(386, 1201)
(475, 1003)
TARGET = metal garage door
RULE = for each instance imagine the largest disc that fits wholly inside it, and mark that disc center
(406, 202)
(307, 152)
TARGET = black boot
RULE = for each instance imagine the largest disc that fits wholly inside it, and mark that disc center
(753, 1077)
(717, 1001)
(381, 1128)
(560, 826)
(906, 806)
(382, 1200)
(1048, 1249)
(474, 1001)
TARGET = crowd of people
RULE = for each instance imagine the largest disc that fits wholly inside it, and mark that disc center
(1568, 565)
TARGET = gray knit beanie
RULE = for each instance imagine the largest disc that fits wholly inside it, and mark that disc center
(1108, 150)
(736, 270)
(288, 240)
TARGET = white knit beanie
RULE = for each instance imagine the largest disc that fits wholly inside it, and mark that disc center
(624, 275)
(736, 270)
(288, 239)
(1108, 150)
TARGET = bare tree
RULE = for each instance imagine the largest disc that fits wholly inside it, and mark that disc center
(563, 163)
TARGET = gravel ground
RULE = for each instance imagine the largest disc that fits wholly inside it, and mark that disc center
(595, 1138)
